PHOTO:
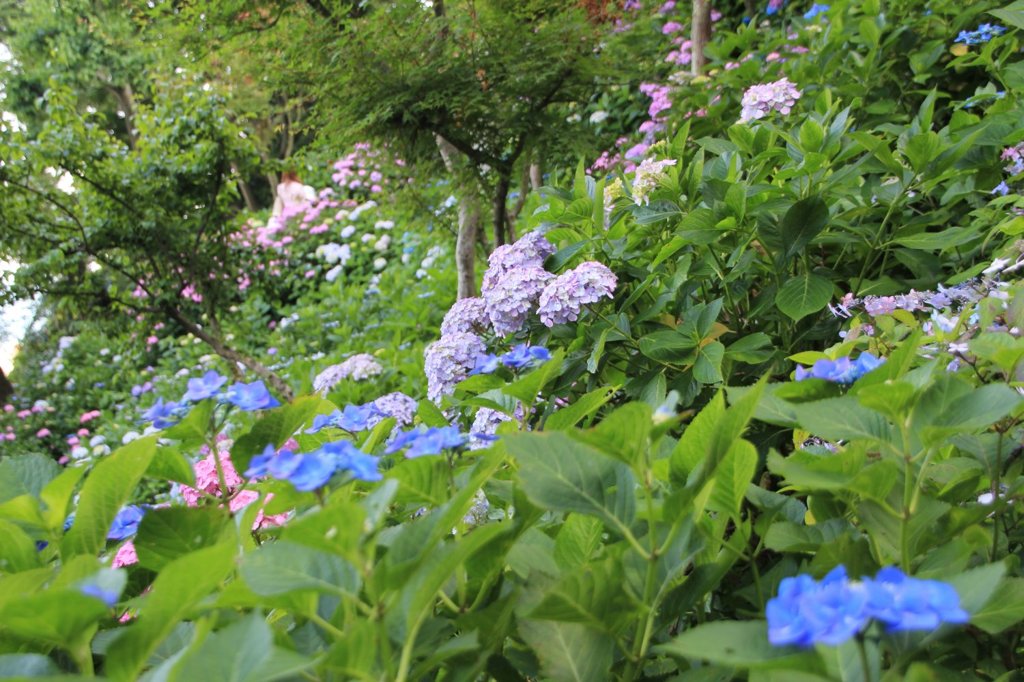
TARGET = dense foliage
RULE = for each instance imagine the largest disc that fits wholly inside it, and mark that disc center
(743, 401)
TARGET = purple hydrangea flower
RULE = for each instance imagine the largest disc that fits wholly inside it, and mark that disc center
(250, 397)
(760, 100)
(448, 361)
(205, 387)
(841, 370)
(360, 367)
(564, 297)
(466, 315)
(774, 6)
(513, 297)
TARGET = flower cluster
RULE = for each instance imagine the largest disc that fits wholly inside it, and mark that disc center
(983, 34)
(513, 297)
(427, 441)
(449, 360)
(353, 418)
(1014, 158)
(815, 10)
(486, 423)
(397, 405)
(762, 99)
(807, 612)
(841, 370)
(564, 297)
(466, 315)
(774, 6)
(313, 470)
(358, 368)
(126, 523)
(649, 175)
(523, 355)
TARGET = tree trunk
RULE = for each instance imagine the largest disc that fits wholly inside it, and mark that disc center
(536, 179)
(231, 355)
(500, 201)
(6, 388)
(243, 188)
(700, 35)
(469, 223)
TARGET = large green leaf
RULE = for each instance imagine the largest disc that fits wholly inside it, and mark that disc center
(282, 567)
(166, 534)
(569, 652)
(25, 475)
(843, 419)
(562, 474)
(581, 408)
(803, 222)
(1004, 609)
(733, 475)
(804, 294)
(242, 652)
(577, 540)
(176, 590)
(109, 486)
(736, 644)
(624, 434)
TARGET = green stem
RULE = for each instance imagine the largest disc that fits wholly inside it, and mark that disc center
(326, 626)
(995, 496)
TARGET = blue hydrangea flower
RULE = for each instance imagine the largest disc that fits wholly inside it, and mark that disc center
(205, 387)
(313, 471)
(905, 603)
(249, 397)
(126, 523)
(106, 595)
(815, 10)
(807, 612)
(525, 355)
(430, 441)
(348, 457)
(487, 363)
(1002, 189)
(353, 418)
(774, 6)
(162, 414)
(983, 34)
(841, 370)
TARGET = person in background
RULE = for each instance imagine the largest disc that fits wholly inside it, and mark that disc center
(291, 193)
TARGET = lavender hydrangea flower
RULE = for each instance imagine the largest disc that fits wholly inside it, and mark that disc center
(448, 361)
(485, 426)
(397, 405)
(466, 315)
(360, 367)
(564, 297)
(513, 297)
(529, 250)
(762, 99)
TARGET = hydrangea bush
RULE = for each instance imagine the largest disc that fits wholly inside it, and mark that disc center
(751, 410)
